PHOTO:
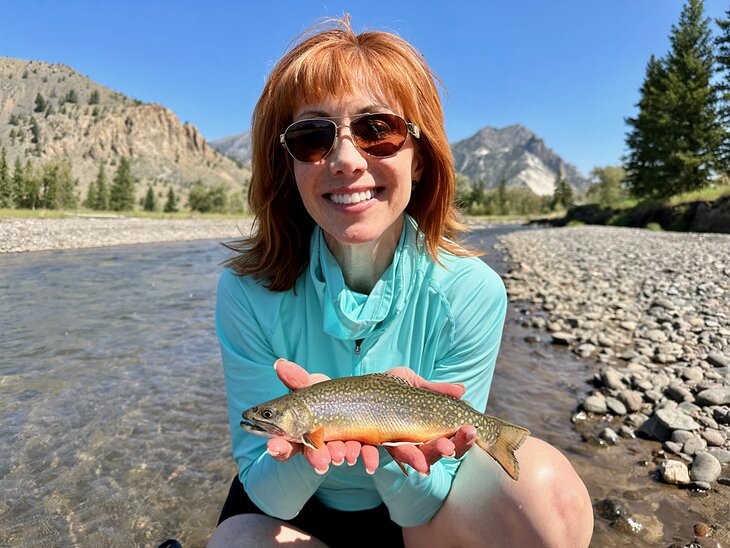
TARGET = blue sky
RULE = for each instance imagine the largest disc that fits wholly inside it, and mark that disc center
(568, 70)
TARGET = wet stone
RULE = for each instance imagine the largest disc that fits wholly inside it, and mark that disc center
(610, 509)
(586, 350)
(701, 485)
(626, 432)
(562, 338)
(609, 436)
(702, 529)
(654, 429)
(628, 525)
(705, 467)
(674, 472)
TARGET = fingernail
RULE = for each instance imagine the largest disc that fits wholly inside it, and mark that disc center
(351, 463)
(322, 472)
(338, 463)
(274, 454)
(450, 455)
(371, 472)
(425, 474)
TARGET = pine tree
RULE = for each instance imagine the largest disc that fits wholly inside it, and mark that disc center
(18, 183)
(6, 190)
(94, 98)
(150, 201)
(102, 190)
(502, 196)
(49, 187)
(562, 193)
(648, 149)
(91, 198)
(31, 187)
(40, 103)
(171, 203)
(695, 134)
(121, 196)
(723, 89)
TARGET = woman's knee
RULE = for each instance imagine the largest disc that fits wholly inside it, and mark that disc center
(257, 530)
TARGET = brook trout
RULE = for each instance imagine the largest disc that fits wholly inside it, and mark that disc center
(380, 409)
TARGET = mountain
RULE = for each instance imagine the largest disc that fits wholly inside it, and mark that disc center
(237, 147)
(50, 112)
(515, 154)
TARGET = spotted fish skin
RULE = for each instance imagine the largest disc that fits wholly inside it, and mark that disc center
(380, 409)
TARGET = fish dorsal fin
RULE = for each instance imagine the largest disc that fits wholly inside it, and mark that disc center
(392, 378)
(314, 439)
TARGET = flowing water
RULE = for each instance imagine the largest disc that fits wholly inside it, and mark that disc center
(112, 402)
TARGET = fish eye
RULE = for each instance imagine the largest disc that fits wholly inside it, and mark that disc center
(267, 413)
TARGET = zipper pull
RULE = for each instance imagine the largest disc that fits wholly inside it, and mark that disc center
(358, 344)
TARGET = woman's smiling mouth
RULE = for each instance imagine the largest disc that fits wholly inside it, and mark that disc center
(353, 197)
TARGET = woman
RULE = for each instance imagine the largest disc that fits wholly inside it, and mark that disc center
(352, 268)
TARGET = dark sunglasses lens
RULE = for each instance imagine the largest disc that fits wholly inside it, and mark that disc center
(310, 140)
(380, 135)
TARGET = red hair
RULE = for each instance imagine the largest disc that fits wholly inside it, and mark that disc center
(331, 60)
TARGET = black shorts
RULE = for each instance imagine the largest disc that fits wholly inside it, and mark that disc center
(333, 527)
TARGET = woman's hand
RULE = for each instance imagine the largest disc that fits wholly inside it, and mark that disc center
(419, 457)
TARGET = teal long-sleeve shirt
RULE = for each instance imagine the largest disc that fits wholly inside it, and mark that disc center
(444, 321)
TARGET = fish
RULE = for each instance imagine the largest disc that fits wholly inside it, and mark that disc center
(380, 409)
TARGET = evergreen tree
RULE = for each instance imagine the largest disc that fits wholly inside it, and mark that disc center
(66, 187)
(31, 187)
(647, 140)
(121, 195)
(94, 98)
(695, 133)
(40, 103)
(49, 187)
(102, 190)
(563, 193)
(150, 201)
(723, 89)
(91, 198)
(18, 183)
(171, 203)
(502, 197)
(6, 190)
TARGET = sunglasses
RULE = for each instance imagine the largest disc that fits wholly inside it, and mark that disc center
(379, 135)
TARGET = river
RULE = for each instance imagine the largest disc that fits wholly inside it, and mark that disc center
(112, 402)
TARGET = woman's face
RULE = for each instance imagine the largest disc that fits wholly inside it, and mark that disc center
(347, 174)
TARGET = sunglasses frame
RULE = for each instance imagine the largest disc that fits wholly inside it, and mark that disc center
(411, 128)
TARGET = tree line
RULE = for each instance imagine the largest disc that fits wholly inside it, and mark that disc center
(51, 186)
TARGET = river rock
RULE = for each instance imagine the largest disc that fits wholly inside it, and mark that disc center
(678, 392)
(705, 467)
(718, 360)
(674, 472)
(596, 403)
(713, 437)
(720, 395)
(674, 419)
(654, 429)
(722, 455)
(615, 406)
(562, 338)
(693, 445)
(681, 436)
(609, 435)
(631, 399)
(612, 379)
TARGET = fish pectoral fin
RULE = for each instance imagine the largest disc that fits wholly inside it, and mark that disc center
(314, 439)
(400, 463)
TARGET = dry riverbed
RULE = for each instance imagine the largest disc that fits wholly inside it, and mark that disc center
(37, 234)
(651, 313)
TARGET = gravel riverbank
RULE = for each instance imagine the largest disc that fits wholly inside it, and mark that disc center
(651, 310)
(37, 234)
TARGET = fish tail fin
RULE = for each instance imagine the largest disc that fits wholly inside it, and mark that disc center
(502, 449)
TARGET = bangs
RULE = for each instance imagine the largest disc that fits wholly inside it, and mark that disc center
(336, 70)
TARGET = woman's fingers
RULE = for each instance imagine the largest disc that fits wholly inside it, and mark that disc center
(370, 458)
(337, 451)
(281, 449)
(455, 390)
(412, 456)
(464, 439)
(319, 459)
(295, 376)
(352, 451)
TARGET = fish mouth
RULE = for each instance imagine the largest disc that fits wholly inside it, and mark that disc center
(252, 427)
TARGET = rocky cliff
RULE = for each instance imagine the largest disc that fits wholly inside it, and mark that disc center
(51, 112)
